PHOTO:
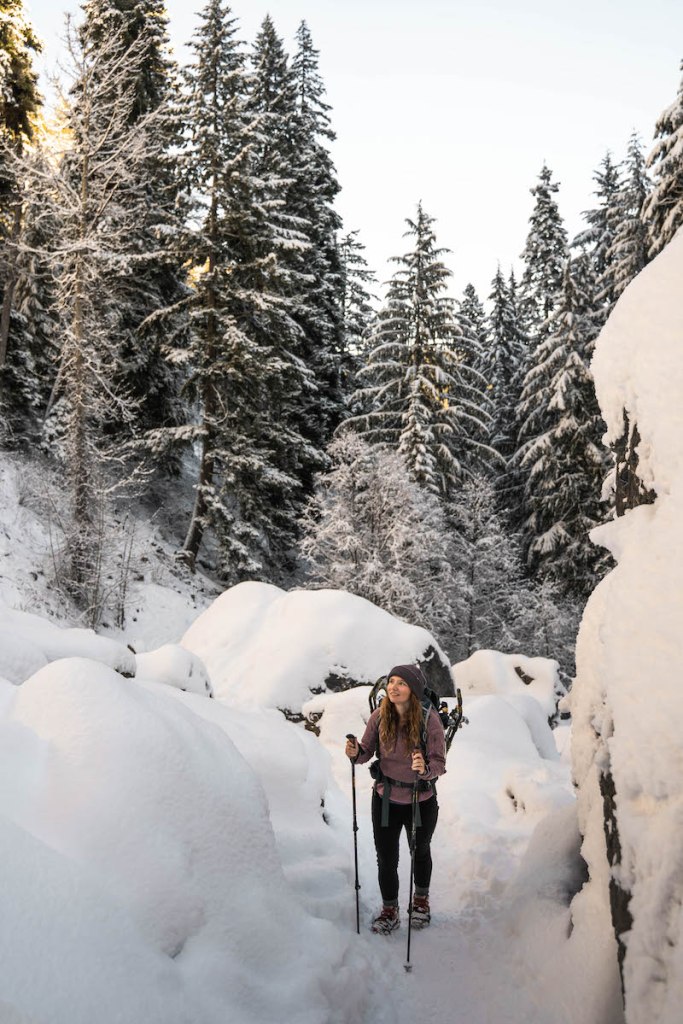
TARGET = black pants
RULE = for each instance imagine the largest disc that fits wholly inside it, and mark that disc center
(387, 843)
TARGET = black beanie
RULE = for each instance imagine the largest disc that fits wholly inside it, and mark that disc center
(412, 675)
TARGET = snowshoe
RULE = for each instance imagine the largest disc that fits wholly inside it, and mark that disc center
(421, 915)
(387, 921)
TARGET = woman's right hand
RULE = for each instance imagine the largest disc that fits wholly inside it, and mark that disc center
(352, 749)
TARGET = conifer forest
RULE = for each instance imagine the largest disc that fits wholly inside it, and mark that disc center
(188, 331)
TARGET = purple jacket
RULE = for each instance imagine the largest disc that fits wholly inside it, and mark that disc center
(396, 764)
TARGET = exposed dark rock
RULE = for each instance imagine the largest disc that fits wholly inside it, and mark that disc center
(622, 919)
(436, 672)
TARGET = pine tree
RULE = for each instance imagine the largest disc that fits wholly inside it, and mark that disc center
(244, 373)
(563, 454)
(488, 566)
(311, 198)
(663, 208)
(149, 285)
(358, 312)
(473, 314)
(19, 104)
(598, 238)
(628, 253)
(544, 256)
(503, 373)
(419, 390)
(371, 530)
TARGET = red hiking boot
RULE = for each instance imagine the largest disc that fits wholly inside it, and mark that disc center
(421, 915)
(386, 921)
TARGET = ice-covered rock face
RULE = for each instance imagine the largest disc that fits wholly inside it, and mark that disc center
(265, 647)
(626, 746)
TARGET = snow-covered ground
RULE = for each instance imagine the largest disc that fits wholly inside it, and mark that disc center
(172, 857)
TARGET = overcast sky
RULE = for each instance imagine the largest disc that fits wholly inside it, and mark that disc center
(458, 102)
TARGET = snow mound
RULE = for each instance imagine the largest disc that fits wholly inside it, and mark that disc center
(28, 642)
(138, 854)
(265, 647)
(488, 672)
(175, 666)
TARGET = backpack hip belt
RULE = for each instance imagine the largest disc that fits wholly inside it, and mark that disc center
(378, 775)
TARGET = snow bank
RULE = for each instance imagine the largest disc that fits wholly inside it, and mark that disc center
(265, 647)
(493, 672)
(140, 870)
(28, 642)
(626, 701)
(174, 666)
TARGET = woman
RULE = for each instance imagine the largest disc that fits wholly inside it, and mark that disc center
(395, 731)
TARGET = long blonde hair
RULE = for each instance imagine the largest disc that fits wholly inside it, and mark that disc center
(390, 723)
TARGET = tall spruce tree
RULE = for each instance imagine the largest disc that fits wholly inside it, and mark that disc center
(563, 454)
(629, 251)
(544, 256)
(419, 390)
(598, 237)
(150, 282)
(472, 311)
(311, 198)
(357, 308)
(245, 373)
(663, 208)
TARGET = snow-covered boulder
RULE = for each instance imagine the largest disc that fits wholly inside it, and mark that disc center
(141, 876)
(175, 666)
(626, 700)
(266, 647)
(508, 674)
(32, 641)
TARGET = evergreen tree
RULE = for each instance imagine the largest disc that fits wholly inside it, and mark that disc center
(663, 208)
(19, 104)
(488, 567)
(503, 371)
(357, 307)
(311, 199)
(371, 530)
(628, 253)
(598, 237)
(419, 390)
(544, 256)
(244, 372)
(473, 315)
(149, 283)
(563, 454)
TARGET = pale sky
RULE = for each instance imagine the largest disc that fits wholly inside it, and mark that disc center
(457, 103)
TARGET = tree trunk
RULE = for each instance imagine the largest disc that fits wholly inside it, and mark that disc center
(8, 297)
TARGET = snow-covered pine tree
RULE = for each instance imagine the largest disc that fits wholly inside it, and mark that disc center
(150, 280)
(19, 104)
(371, 530)
(358, 311)
(487, 563)
(598, 237)
(503, 372)
(471, 309)
(629, 251)
(563, 455)
(311, 199)
(544, 257)
(247, 381)
(419, 390)
(663, 207)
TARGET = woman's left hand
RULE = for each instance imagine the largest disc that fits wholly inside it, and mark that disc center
(419, 765)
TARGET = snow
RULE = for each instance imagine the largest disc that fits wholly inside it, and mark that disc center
(174, 858)
(626, 698)
(266, 647)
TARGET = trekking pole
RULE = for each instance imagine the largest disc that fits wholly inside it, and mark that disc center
(413, 828)
(350, 736)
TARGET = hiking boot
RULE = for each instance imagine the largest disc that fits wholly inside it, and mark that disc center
(421, 916)
(386, 921)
